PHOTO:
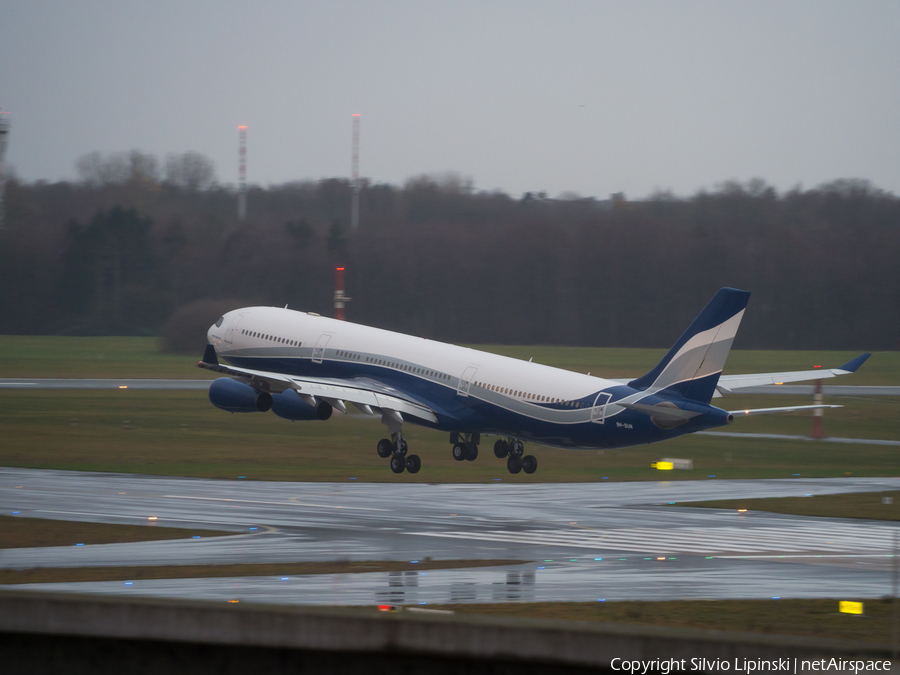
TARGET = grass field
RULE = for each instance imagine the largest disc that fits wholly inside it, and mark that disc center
(180, 433)
(869, 505)
(140, 357)
(28, 532)
(811, 618)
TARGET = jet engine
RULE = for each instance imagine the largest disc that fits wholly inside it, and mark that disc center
(290, 406)
(234, 396)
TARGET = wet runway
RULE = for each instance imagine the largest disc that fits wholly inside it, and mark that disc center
(576, 541)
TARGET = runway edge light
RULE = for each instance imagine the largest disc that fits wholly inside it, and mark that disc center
(850, 607)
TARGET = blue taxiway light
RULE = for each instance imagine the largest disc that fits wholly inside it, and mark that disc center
(242, 476)
(352, 477)
(598, 558)
(252, 528)
(285, 578)
(79, 544)
(712, 475)
(14, 512)
(196, 536)
(413, 561)
(129, 583)
(605, 478)
(601, 599)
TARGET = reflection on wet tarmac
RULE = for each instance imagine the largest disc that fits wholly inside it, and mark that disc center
(631, 578)
(577, 542)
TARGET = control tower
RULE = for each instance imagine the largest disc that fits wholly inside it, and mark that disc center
(4, 140)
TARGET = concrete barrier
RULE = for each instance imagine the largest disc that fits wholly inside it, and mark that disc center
(193, 631)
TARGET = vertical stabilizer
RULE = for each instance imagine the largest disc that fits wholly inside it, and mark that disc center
(692, 367)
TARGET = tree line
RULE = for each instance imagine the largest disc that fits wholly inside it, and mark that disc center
(131, 249)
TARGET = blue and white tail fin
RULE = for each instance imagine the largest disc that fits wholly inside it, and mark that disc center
(692, 367)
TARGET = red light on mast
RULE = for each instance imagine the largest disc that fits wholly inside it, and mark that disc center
(340, 299)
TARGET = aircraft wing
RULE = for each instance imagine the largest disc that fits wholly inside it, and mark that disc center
(367, 396)
(734, 383)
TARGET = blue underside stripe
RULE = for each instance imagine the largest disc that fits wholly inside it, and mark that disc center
(473, 414)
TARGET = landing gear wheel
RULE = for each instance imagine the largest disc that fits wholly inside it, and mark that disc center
(514, 464)
(473, 452)
(460, 452)
(529, 464)
(397, 464)
(413, 464)
(501, 449)
(385, 448)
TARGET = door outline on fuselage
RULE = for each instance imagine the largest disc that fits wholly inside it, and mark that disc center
(466, 381)
(229, 334)
(319, 349)
(598, 412)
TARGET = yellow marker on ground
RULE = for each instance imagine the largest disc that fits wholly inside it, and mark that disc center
(662, 466)
(850, 607)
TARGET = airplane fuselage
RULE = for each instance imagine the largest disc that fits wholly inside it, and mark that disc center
(470, 391)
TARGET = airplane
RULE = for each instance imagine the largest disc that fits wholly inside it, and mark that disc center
(303, 366)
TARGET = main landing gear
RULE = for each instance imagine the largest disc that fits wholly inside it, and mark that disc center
(513, 449)
(396, 447)
(465, 446)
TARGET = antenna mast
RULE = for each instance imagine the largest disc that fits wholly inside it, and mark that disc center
(242, 173)
(4, 138)
(354, 209)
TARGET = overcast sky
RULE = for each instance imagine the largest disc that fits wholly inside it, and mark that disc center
(591, 97)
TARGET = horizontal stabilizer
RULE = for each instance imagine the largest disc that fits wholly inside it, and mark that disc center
(790, 408)
(661, 412)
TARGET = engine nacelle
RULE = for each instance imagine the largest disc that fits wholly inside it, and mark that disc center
(290, 406)
(234, 396)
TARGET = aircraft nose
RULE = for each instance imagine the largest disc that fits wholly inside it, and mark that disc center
(214, 330)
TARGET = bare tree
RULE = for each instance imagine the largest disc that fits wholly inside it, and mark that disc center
(135, 167)
(191, 171)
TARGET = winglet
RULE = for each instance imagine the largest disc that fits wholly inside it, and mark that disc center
(851, 366)
(209, 356)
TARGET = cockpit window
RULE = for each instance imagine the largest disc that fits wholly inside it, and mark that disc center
(219, 322)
